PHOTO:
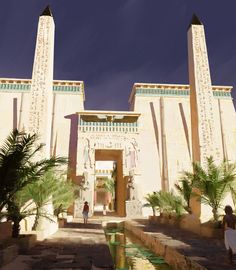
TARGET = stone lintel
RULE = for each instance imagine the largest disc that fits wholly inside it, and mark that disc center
(109, 116)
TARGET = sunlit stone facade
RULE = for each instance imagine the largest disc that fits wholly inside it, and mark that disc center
(167, 127)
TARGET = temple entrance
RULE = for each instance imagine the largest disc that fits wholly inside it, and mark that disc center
(104, 187)
(109, 184)
(107, 163)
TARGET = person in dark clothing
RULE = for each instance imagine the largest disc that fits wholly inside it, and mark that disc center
(229, 225)
(85, 212)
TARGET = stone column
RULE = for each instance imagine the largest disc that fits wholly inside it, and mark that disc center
(164, 170)
(41, 95)
(201, 100)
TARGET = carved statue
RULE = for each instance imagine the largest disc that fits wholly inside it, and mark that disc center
(131, 153)
(87, 154)
(130, 188)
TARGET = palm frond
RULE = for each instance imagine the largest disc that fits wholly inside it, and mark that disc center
(214, 182)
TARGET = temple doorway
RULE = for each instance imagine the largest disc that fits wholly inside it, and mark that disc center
(109, 184)
(104, 187)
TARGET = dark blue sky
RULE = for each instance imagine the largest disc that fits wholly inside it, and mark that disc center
(111, 44)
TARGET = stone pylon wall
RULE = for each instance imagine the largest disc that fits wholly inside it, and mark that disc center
(165, 131)
(165, 137)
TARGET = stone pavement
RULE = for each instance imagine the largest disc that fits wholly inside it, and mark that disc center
(77, 246)
(208, 252)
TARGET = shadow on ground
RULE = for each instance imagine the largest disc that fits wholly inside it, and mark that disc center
(95, 226)
(76, 246)
(209, 252)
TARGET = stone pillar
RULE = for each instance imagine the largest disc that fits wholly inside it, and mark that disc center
(201, 100)
(164, 171)
(41, 95)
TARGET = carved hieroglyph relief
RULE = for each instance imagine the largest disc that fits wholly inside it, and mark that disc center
(131, 154)
(87, 154)
(129, 146)
(204, 96)
(42, 76)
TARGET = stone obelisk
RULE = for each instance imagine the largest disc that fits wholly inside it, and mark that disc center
(41, 95)
(201, 95)
(201, 99)
(41, 98)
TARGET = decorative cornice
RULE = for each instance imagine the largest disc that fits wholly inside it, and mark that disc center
(108, 124)
(24, 85)
(180, 90)
(109, 116)
(179, 93)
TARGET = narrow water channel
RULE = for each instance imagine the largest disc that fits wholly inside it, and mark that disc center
(129, 253)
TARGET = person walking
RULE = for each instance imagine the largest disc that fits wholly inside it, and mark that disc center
(85, 212)
(229, 225)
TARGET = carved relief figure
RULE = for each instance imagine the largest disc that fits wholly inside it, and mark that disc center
(131, 154)
(87, 154)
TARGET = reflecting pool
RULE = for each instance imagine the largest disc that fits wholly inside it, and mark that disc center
(129, 253)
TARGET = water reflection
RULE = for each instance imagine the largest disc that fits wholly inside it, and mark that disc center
(129, 253)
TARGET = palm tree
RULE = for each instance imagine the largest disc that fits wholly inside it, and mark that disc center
(109, 186)
(233, 194)
(164, 201)
(64, 195)
(185, 187)
(214, 183)
(52, 187)
(33, 197)
(19, 167)
(17, 209)
(153, 201)
(170, 203)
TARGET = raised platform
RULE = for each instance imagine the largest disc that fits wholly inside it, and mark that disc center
(181, 249)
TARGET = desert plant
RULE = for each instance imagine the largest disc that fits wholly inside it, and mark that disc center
(19, 166)
(51, 188)
(233, 194)
(64, 195)
(171, 203)
(15, 214)
(153, 201)
(109, 186)
(214, 183)
(18, 209)
(185, 187)
(177, 205)
(33, 197)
